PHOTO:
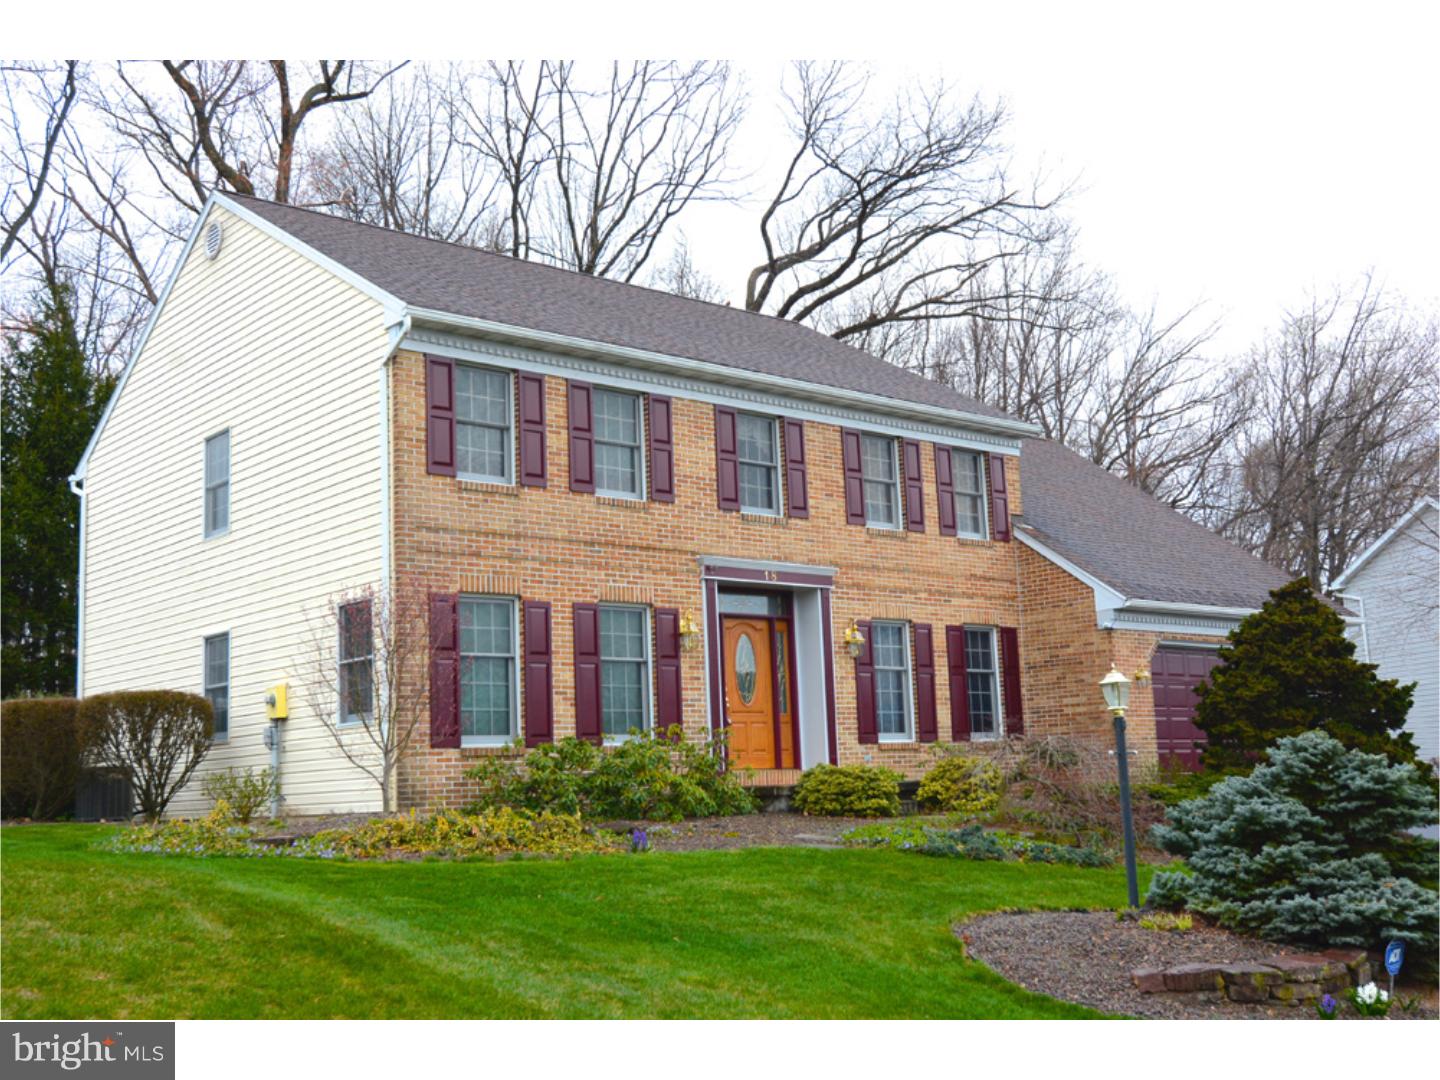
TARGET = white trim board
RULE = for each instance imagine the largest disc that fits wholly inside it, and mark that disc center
(1374, 549)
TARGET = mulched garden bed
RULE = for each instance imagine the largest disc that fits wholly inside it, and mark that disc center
(1086, 957)
(743, 831)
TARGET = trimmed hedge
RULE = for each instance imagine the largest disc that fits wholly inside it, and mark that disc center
(39, 756)
(848, 791)
(157, 737)
(962, 784)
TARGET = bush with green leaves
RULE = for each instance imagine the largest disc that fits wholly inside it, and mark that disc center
(39, 756)
(157, 737)
(650, 777)
(973, 842)
(963, 784)
(244, 793)
(848, 791)
(1288, 669)
(1310, 847)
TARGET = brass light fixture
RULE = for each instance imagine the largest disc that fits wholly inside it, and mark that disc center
(854, 639)
(689, 632)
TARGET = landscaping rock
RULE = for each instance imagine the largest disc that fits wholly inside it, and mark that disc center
(1304, 968)
(1250, 982)
(1193, 977)
(1148, 980)
(1296, 993)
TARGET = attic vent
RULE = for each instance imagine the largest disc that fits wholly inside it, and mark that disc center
(213, 235)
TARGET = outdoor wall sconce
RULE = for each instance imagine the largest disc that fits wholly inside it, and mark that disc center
(689, 632)
(854, 639)
(1141, 677)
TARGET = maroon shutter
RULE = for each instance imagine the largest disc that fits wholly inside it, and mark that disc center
(865, 689)
(587, 672)
(440, 415)
(444, 671)
(662, 450)
(926, 729)
(854, 478)
(945, 489)
(532, 430)
(999, 500)
(582, 438)
(914, 486)
(797, 493)
(539, 681)
(959, 685)
(1010, 667)
(668, 698)
(727, 458)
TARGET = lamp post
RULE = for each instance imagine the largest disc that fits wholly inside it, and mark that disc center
(1116, 688)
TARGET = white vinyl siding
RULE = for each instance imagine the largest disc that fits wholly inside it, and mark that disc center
(890, 652)
(982, 676)
(217, 484)
(217, 681)
(484, 424)
(268, 345)
(619, 436)
(968, 472)
(624, 669)
(881, 477)
(489, 688)
(759, 456)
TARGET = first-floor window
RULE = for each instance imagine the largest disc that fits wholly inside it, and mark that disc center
(624, 669)
(357, 658)
(217, 681)
(983, 687)
(488, 692)
(969, 473)
(890, 649)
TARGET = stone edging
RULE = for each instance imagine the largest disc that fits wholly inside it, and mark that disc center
(1292, 979)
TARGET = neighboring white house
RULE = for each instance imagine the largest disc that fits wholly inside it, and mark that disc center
(1394, 590)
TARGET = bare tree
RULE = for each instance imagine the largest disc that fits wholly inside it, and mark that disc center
(28, 162)
(682, 277)
(890, 218)
(366, 672)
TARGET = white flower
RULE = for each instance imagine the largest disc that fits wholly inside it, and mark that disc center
(1384, 996)
(1368, 993)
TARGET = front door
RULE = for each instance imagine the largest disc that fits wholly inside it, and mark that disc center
(750, 691)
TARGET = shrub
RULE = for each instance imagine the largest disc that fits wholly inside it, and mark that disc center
(654, 777)
(848, 791)
(158, 737)
(1067, 792)
(39, 756)
(962, 784)
(1288, 669)
(498, 831)
(1303, 849)
(972, 842)
(244, 794)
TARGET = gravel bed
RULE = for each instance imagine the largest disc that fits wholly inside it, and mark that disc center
(1086, 957)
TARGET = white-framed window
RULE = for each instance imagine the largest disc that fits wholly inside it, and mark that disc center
(619, 438)
(759, 455)
(356, 662)
(216, 681)
(217, 484)
(484, 424)
(624, 669)
(489, 674)
(982, 677)
(881, 474)
(968, 470)
(890, 652)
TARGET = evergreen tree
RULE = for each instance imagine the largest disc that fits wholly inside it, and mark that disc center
(49, 405)
(1289, 669)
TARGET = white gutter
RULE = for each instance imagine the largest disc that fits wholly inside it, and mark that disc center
(721, 373)
(77, 488)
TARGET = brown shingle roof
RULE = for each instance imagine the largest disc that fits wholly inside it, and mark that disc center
(465, 281)
(1130, 540)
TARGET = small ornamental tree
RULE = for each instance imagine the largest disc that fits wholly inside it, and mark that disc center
(158, 737)
(1289, 669)
(1310, 848)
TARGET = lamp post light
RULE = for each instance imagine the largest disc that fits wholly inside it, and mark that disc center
(1116, 688)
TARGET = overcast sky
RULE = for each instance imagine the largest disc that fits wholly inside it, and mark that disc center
(1235, 158)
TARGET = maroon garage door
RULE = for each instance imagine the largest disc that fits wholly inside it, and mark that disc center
(1175, 673)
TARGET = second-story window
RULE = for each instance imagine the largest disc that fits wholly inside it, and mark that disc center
(217, 483)
(619, 434)
(759, 455)
(882, 488)
(969, 472)
(483, 421)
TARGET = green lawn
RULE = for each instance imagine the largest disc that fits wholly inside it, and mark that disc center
(760, 933)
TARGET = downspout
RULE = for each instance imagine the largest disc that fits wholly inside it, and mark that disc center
(77, 488)
(398, 330)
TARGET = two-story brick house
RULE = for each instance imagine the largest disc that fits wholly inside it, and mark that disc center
(627, 510)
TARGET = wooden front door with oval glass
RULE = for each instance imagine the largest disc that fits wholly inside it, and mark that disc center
(758, 691)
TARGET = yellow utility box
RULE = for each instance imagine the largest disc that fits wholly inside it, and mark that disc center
(277, 703)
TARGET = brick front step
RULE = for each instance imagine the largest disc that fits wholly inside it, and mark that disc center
(1291, 978)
